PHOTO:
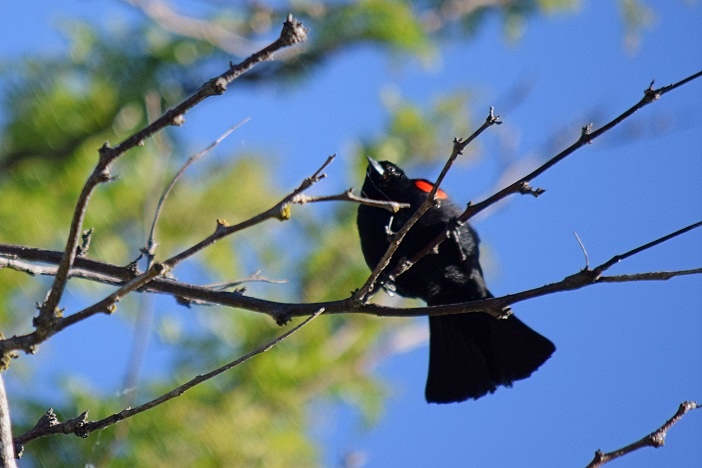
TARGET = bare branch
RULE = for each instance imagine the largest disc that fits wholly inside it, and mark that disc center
(655, 439)
(586, 137)
(292, 33)
(651, 276)
(618, 258)
(282, 312)
(79, 426)
(48, 424)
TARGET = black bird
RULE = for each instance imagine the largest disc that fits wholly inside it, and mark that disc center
(470, 354)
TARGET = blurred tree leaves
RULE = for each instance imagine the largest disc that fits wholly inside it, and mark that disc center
(58, 110)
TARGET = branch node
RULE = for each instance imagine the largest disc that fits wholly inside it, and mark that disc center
(104, 149)
(178, 120)
(505, 312)
(79, 424)
(526, 189)
(160, 268)
(82, 249)
(293, 31)
(651, 94)
(585, 134)
(493, 119)
(283, 319)
(47, 322)
(458, 145)
(657, 439)
(104, 175)
(219, 84)
(285, 212)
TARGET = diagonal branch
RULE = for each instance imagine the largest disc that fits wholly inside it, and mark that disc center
(655, 439)
(586, 137)
(79, 426)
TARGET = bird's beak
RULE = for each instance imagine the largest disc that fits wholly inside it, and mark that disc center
(375, 165)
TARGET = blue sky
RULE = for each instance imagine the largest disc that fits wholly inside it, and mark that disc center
(627, 354)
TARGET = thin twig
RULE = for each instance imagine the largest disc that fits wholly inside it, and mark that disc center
(80, 427)
(280, 210)
(655, 439)
(349, 196)
(254, 278)
(151, 244)
(583, 249)
(459, 145)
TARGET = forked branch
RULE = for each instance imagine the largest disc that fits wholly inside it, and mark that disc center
(521, 186)
(292, 33)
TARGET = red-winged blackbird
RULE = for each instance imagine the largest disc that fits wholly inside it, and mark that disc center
(469, 354)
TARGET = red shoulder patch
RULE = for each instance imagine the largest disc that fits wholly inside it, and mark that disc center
(426, 186)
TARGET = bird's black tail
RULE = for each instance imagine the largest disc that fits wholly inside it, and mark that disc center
(472, 354)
